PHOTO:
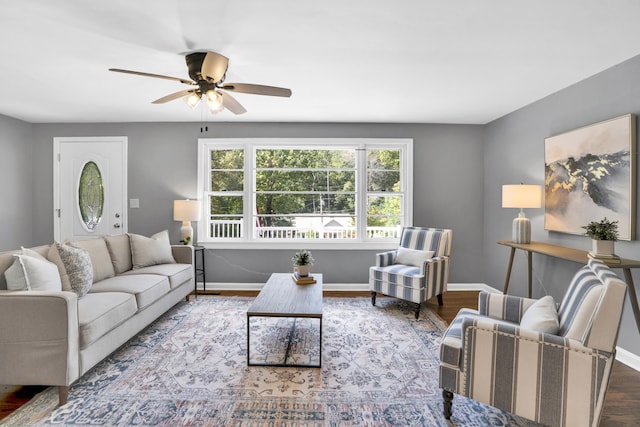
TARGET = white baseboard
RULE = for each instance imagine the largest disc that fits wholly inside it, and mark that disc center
(623, 356)
(630, 359)
(350, 287)
(471, 287)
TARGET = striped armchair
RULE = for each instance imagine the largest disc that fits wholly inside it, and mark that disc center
(418, 270)
(557, 379)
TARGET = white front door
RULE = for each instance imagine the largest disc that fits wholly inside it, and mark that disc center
(90, 187)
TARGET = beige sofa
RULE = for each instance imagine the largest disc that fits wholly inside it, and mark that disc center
(52, 337)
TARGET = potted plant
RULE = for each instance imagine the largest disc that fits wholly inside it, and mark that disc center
(603, 234)
(302, 261)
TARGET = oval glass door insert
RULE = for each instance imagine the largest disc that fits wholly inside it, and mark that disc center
(90, 195)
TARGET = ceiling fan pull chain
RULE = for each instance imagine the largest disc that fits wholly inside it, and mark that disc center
(201, 118)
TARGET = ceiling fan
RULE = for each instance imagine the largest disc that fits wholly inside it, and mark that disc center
(208, 71)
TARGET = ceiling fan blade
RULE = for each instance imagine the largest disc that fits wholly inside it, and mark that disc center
(257, 89)
(173, 96)
(231, 104)
(157, 76)
(214, 66)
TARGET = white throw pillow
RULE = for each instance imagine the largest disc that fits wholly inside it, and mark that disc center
(146, 251)
(32, 274)
(542, 316)
(412, 256)
(32, 253)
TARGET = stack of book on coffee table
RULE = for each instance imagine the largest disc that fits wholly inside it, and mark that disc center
(302, 280)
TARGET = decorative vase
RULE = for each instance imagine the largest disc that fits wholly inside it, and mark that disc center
(602, 247)
(302, 270)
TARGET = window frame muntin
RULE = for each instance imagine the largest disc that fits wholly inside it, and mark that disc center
(361, 145)
(270, 145)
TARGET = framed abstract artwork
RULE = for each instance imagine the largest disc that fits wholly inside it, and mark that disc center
(590, 174)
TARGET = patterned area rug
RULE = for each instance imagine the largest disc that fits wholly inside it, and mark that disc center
(379, 368)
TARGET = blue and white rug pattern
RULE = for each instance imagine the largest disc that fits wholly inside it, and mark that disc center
(189, 368)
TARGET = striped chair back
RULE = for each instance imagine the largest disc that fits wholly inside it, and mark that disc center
(591, 309)
(437, 240)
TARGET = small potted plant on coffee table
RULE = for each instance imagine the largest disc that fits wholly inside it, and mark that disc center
(302, 261)
(603, 235)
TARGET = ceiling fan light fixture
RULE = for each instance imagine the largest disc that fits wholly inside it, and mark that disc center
(192, 100)
(214, 101)
(208, 71)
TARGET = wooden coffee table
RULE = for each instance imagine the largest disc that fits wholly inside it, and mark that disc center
(281, 297)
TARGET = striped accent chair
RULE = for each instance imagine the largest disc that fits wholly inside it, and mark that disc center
(424, 273)
(556, 379)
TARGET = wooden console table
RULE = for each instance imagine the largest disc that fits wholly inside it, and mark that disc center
(575, 255)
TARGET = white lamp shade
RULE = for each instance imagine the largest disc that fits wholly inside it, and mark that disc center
(186, 210)
(521, 196)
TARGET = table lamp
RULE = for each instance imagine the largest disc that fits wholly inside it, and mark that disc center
(186, 211)
(521, 196)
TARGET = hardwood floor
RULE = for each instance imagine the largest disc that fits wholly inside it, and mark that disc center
(621, 406)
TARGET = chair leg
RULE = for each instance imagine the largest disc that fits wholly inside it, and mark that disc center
(440, 303)
(63, 395)
(448, 403)
(373, 298)
(418, 311)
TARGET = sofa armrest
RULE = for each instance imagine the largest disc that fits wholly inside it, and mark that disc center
(432, 263)
(39, 342)
(183, 254)
(384, 259)
(503, 307)
(502, 366)
(436, 273)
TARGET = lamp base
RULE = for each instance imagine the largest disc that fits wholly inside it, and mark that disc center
(186, 233)
(521, 230)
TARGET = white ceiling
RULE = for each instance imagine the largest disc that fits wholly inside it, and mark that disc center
(405, 61)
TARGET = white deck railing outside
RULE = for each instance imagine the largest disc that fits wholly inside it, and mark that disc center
(233, 229)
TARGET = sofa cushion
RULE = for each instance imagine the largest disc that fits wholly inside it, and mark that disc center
(152, 250)
(33, 274)
(397, 275)
(98, 313)
(74, 266)
(100, 258)
(120, 251)
(147, 288)
(177, 273)
(451, 347)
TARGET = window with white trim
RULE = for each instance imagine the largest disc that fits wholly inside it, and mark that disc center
(325, 192)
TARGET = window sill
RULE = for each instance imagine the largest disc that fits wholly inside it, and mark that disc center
(298, 244)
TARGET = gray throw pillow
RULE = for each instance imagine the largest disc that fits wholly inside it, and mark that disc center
(77, 267)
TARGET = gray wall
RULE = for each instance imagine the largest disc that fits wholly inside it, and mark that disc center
(459, 171)
(16, 183)
(514, 152)
(448, 174)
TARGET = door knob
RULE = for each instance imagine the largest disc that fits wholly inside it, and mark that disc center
(116, 225)
(117, 215)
